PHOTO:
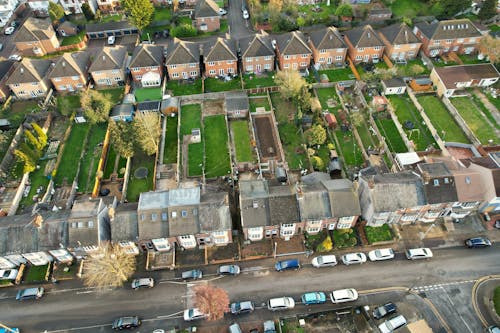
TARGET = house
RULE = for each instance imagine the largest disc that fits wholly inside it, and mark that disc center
(7, 8)
(88, 222)
(108, 67)
(364, 45)
(36, 37)
(394, 86)
(107, 29)
(379, 14)
(122, 112)
(40, 8)
(206, 16)
(460, 36)
(29, 78)
(67, 29)
(452, 79)
(438, 182)
(69, 73)
(182, 60)
(400, 43)
(109, 6)
(237, 104)
(146, 65)
(292, 51)
(220, 58)
(6, 69)
(328, 47)
(123, 222)
(185, 217)
(257, 53)
(75, 6)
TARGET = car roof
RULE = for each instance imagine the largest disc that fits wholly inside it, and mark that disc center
(280, 301)
(419, 251)
(350, 256)
(478, 240)
(343, 293)
(313, 296)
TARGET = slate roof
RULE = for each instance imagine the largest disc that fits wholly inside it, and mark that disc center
(327, 39)
(292, 43)
(122, 110)
(254, 205)
(213, 213)
(108, 26)
(30, 70)
(314, 202)
(71, 64)
(398, 34)
(442, 193)
(34, 29)
(146, 55)
(258, 45)
(344, 199)
(206, 8)
(363, 37)
(394, 83)
(449, 29)
(153, 200)
(109, 58)
(86, 208)
(452, 75)
(181, 52)
(283, 205)
(5, 67)
(148, 106)
(183, 196)
(221, 50)
(236, 101)
(124, 225)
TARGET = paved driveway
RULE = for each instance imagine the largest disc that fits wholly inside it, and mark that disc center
(238, 27)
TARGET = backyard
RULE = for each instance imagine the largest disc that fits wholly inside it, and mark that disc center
(115, 94)
(70, 40)
(142, 180)
(241, 140)
(409, 8)
(217, 161)
(66, 171)
(170, 150)
(90, 160)
(180, 88)
(328, 99)
(338, 74)
(262, 80)
(259, 102)
(216, 85)
(191, 119)
(389, 130)
(147, 94)
(443, 122)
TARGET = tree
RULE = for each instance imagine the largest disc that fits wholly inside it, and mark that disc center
(122, 138)
(147, 131)
(316, 135)
(3, 138)
(95, 105)
(275, 5)
(291, 83)
(111, 266)
(41, 135)
(488, 10)
(98, 15)
(64, 106)
(140, 12)
(212, 301)
(175, 5)
(491, 47)
(415, 69)
(445, 9)
(56, 11)
(317, 163)
(34, 141)
(28, 156)
(87, 12)
(344, 10)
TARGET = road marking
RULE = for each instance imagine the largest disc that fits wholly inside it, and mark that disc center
(437, 286)
(84, 292)
(172, 315)
(75, 328)
(453, 304)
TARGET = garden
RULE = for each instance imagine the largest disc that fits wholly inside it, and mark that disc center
(393, 139)
(259, 102)
(36, 273)
(379, 234)
(115, 95)
(344, 238)
(216, 85)
(217, 160)
(191, 119)
(409, 8)
(91, 156)
(338, 74)
(170, 149)
(184, 87)
(111, 162)
(147, 94)
(485, 110)
(73, 147)
(141, 175)
(265, 79)
(241, 141)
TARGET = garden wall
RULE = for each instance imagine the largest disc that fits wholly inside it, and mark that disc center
(9, 156)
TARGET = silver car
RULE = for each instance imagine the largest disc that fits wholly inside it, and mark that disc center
(143, 283)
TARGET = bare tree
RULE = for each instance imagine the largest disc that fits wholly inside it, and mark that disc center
(110, 267)
(212, 301)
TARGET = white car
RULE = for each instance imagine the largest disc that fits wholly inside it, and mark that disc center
(353, 258)
(143, 283)
(9, 30)
(324, 261)
(381, 254)
(280, 303)
(419, 253)
(111, 40)
(222, 11)
(8, 274)
(392, 324)
(343, 295)
(245, 14)
(193, 314)
(15, 57)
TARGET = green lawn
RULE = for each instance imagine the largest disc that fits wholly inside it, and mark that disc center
(317, 17)
(37, 179)
(472, 115)
(259, 102)
(179, 89)
(111, 18)
(115, 94)
(343, 238)
(71, 155)
(217, 162)
(147, 94)
(110, 163)
(338, 74)
(70, 40)
(73, 101)
(496, 300)
(390, 132)
(378, 234)
(405, 70)
(17, 110)
(190, 118)
(261, 80)
(195, 159)
(494, 27)
(215, 85)
(162, 14)
(351, 152)
(443, 122)
(90, 161)
(367, 138)
(406, 110)
(409, 8)
(486, 111)
(137, 186)
(36, 273)
(241, 141)
(170, 151)
(324, 94)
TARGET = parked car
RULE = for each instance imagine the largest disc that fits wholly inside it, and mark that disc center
(126, 322)
(14, 24)
(222, 11)
(353, 258)
(8, 274)
(111, 40)
(245, 14)
(1, 46)
(316, 297)
(193, 274)
(15, 57)
(285, 265)
(9, 30)
(477, 242)
(343, 295)
(497, 224)
(238, 308)
(493, 329)
(384, 310)
(280, 303)
(418, 253)
(269, 326)
(143, 283)
(30, 293)
(381, 254)
(11, 330)
(193, 314)
(392, 324)
(324, 261)
(229, 270)
(234, 328)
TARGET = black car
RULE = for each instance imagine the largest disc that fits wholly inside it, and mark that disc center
(126, 322)
(477, 242)
(384, 310)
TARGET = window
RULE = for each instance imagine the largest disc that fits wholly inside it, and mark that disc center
(287, 57)
(287, 225)
(212, 72)
(446, 180)
(305, 56)
(286, 66)
(361, 49)
(118, 79)
(61, 87)
(175, 75)
(467, 180)
(286, 232)
(174, 215)
(164, 216)
(321, 59)
(211, 63)
(192, 65)
(184, 213)
(73, 225)
(173, 66)
(193, 73)
(195, 211)
(80, 225)
(268, 58)
(230, 62)
(313, 230)
(397, 46)
(358, 57)
(303, 64)
(449, 41)
(267, 66)
(338, 57)
(143, 217)
(322, 51)
(90, 224)
(377, 48)
(115, 71)
(248, 59)
(436, 182)
(34, 84)
(154, 216)
(57, 79)
(472, 40)
(249, 68)
(230, 70)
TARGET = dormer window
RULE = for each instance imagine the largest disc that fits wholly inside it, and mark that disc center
(446, 180)
(467, 180)
(436, 182)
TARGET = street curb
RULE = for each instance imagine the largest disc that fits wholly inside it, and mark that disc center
(435, 311)
(474, 296)
(381, 290)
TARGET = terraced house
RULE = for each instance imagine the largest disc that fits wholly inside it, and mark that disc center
(69, 73)
(29, 79)
(36, 37)
(400, 42)
(108, 67)
(220, 58)
(146, 65)
(183, 60)
(292, 51)
(328, 47)
(460, 36)
(364, 45)
(257, 54)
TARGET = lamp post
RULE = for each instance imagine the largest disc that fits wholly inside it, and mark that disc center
(275, 248)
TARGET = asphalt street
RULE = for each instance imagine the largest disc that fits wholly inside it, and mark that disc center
(238, 26)
(70, 307)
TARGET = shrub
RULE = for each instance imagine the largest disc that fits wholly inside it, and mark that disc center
(378, 234)
(344, 238)
(184, 30)
(325, 245)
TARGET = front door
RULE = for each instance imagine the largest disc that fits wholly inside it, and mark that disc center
(184, 75)
(294, 66)
(367, 58)
(258, 68)
(329, 60)
(221, 72)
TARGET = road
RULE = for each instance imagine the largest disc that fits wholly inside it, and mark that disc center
(238, 26)
(70, 307)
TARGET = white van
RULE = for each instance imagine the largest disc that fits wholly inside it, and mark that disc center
(392, 324)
